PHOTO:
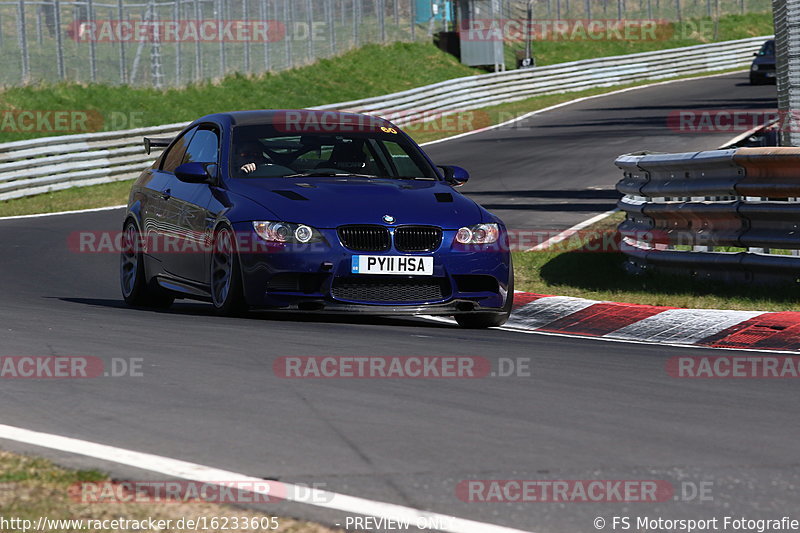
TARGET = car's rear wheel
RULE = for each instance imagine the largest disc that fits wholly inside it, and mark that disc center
(227, 293)
(490, 320)
(136, 289)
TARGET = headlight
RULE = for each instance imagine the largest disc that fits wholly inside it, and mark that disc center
(286, 232)
(754, 68)
(478, 234)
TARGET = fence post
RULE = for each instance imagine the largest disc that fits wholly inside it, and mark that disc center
(264, 15)
(381, 8)
(331, 17)
(310, 22)
(39, 36)
(59, 42)
(588, 9)
(219, 7)
(198, 52)
(23, 42)
(178, 59)
(413, 11)
(92, 44)
(678, 10)
(123, 66)
(156, 70)
(246, 17)
(355, 22)
(288, 17)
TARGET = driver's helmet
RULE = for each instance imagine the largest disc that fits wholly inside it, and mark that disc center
(249, 152)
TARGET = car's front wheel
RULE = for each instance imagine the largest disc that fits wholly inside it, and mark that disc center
(227, 293)
(137, 290)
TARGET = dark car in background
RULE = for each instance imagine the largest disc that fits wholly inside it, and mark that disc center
(311, 211)
(763, 68)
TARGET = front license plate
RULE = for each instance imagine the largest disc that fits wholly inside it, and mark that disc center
(392, 264)
(770, 74)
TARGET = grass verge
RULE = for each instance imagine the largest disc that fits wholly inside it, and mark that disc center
(572, 270)
(670, 35)
(31, 488)
(371, 70)
(446, 126)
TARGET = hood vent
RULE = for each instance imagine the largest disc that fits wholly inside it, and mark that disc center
(291, 195)
(444, 197)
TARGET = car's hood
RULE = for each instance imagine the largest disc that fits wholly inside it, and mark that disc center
(764, 60)
(330, 202)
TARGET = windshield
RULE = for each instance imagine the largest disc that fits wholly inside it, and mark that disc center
(767, 49)
(264, 152)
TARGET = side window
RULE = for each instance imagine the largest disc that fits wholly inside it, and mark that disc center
(174, 157)
(203, 148)
(402, 161)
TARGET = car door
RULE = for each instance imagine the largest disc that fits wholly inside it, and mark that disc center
(156, 208)
(188, 215)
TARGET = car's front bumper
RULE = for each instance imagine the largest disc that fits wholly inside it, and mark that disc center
(311, 277)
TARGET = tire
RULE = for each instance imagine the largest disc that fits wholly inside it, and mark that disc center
(136, 289)
(490, 320)
(227, 294)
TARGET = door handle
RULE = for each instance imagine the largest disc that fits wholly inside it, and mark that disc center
(166, 194)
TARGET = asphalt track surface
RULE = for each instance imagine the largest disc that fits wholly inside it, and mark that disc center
(557, 169)
(589, 410)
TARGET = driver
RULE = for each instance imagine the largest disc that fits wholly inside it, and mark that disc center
(249, 155)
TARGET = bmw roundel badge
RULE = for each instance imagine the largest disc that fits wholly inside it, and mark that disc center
(389, 219)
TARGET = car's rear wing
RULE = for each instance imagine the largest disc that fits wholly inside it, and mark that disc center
(150, 142)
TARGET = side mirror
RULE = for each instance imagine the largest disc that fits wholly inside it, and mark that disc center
(196, 172)
(756, 54)
(455, 176)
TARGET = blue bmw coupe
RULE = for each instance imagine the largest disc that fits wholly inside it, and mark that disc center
(311, 211)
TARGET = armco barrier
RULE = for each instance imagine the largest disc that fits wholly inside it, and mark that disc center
(46, 164)
(729, 215)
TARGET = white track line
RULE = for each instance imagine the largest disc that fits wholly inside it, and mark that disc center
(79, 211)
(195, 472)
